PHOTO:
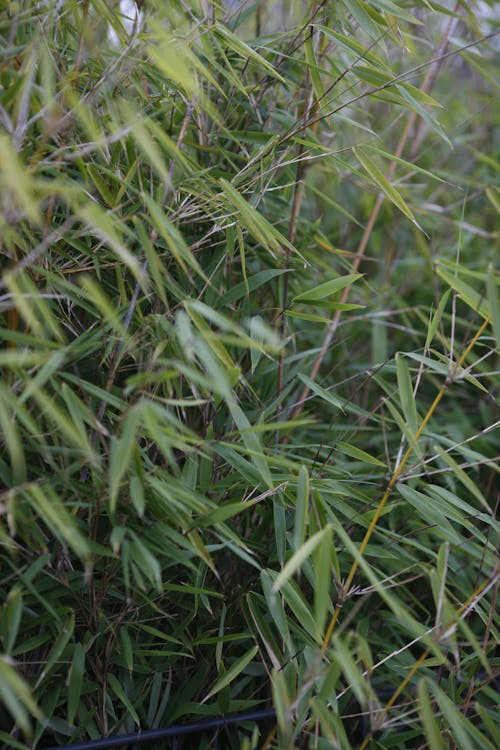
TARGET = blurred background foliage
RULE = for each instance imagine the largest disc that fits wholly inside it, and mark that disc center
(250, 321)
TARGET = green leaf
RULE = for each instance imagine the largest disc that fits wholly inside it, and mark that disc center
(144, 141)
(11, 618)
(358, 454)
(118, 690)
(121, 453)
(301, 508)
(327, 289)
(436, 319)
(363, 17)
(356, 681)
(258, 226)
(281, 699)
(465, 291)
(244, 288)
(95, 294)
(251, 441)
(431, 726)
(313, 67)
(429, 511)
(75, 681)
(53, 513)
(322, 561)
(455, 719)
(172, 237)
(463, 477)
(395, 10)
(62, 640)
(16, 695)
(412, 95)
(105, 227)
(299, 557)
(494, 304)
(382, 182)
(10, 434)
(406, 393)
(339, 403)
(227, 677)
(16, 178)
(236, 44)
(411, 166)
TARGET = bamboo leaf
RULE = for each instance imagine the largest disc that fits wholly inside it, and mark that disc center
(75, 681)
(355, 680)
(382, 182)
(327, 289)
(53, 513)
(301, 508)
(429, 721)
(362, 16)
(357, 453)
(121, 454)
(15, 178)
(12, 439)
(65, 634)
(16, 695)
(313, 68)
(494, 304)
(299, 557)
(119, 692)
(406, 393)
(411, 166)
(232, 673)
(246, 51)
(253, 283)
(322, 561)
(257, 225)
(11, 618)
(454, 718)
(465, 291)
(106, 229)
(281, 699)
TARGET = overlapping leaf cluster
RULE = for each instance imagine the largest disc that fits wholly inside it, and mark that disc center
(250, 323)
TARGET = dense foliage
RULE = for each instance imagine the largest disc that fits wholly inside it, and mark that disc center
(250, 322)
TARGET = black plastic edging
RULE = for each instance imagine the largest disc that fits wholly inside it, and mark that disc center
(176, 730)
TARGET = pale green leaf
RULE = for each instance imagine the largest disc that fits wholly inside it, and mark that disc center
(382, 182)
(429, 721)
(327, 289)
(229, 675)
(406, 393)
(118, 690)
(299, 557)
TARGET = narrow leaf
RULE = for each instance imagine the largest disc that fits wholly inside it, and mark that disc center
(118, 690)
(231, 674)
(301, 508)
(382, 182)
(327, 289)
(299, 557)
(431, 726)
(75, 681)
(406, 393)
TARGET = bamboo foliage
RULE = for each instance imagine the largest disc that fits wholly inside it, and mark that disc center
(249, 327)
